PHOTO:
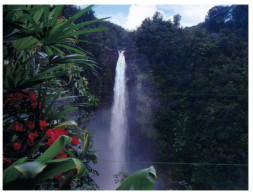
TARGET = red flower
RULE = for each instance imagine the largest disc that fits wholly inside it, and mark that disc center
(50, 133)
(66, 132)
(74, 141)
(62, 151)
(58, 177)
(40, 104)
(50, 141)
(32, 96)
(53, 134)
(15, 97)
(71, 184)
(43, 125)
(30, 124)
(61, 156)
(16, 146)
(32, 137)
(33, 105)
(59, 132)
(17, 126)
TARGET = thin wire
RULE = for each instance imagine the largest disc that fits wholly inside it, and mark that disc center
(198, 94)
(166, 163)
(176, 163)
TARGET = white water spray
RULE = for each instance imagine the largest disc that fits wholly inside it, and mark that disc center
(119, 120)
(113, 147)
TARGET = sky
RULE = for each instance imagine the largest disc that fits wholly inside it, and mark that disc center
(131, 16)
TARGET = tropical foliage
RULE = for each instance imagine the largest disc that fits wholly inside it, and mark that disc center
(41, 60)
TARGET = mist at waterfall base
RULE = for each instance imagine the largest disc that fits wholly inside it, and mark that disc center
(118, 145)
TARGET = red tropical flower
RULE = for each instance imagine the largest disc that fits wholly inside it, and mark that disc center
(58, 177)
(59, 132)
(30, 124)
(15, 97)
(43, 125)
(50, 141)
(40, 104)
(17, 126)
(33, 105)
(50, 133)
(74, 141)
(32, 136)
(16, 146)
(32, 96)
(61, 156)
(53, 134)
(62, 151)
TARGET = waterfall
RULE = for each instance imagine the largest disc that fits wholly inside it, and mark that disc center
(118, 129)
(110, 137)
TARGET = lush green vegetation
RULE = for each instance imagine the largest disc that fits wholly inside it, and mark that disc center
(41, 61)
(194, 98)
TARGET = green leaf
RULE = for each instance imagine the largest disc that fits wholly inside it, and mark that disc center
(92, 30)
(56, 15)
(85, 143)
(83, 24)
(144, 179)
(37, 15)
(41, 76)
(60, 28)
(54, 149)
(30, 169)
(24, 43)
(49, 51)
(57, 49)
(45, 16)
(66, 124)
(56, 166)
(72, 49)
(36, 27)
(10, 174)
(33, 81)
(69, 153)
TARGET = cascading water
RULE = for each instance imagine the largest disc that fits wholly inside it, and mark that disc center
(110, 139)
(117, 139)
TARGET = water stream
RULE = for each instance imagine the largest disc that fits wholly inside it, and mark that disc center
(110, 140)
(119, 120)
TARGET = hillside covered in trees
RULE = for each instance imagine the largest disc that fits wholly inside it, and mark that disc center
(194, 99)
(187, 88)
